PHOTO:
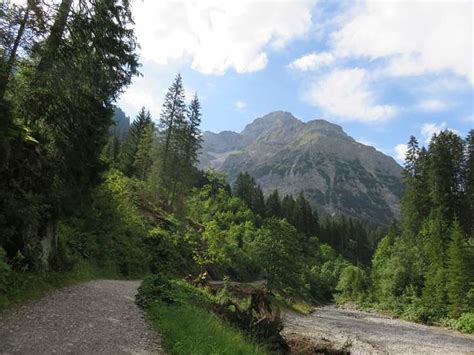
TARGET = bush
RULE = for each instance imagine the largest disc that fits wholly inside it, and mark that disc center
(160, 289)
(465, 323)
(154, 288)
(352, 285)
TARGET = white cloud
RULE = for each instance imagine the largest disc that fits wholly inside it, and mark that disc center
(428, 129)
(312, 61)
(189, 94)
(432, 105)
(400, 151)
(142, 92)
(240, 105)
(415, 37)
(215, 36)
(346, 93)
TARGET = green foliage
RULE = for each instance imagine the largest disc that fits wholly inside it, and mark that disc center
(424, 272)
(175, 308)
(465, 323)
(155, 288)
(177, 324)
(352, 284)
(277, 247)
(458, 273)
(111, 232)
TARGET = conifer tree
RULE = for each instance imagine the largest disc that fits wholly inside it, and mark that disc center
(457, 271)
(194, 136)
(143, 157)
(273, 205)
(172, 120)
(469, 173)
(172, 162)
(142, 124)
(288, 207)
(244, 187)
(258, 201)
(446, 154)
(415, 200)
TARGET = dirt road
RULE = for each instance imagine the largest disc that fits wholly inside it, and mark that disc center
(97, 317)
(362, 333)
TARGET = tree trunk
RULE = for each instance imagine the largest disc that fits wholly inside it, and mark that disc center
(53, 42)
(5, 75)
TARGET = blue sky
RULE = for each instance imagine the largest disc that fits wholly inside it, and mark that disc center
(382, 70)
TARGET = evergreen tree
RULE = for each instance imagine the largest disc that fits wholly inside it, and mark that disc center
(457, 272)
(446, 155)
(172, 120)
(258, 201)
(287, 208)
(434, 292)
(64, 102)
(273, 205)
(173, 140)
(415, 201)
(140, 133)
(244, 187)
(468, 215)
(143, 157)
(194, 136)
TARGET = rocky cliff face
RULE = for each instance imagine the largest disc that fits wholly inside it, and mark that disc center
(336, 173)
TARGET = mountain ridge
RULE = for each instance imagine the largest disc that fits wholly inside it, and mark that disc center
(336, 173)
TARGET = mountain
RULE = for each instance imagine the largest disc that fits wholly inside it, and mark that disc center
(121, 123)
(335, 172)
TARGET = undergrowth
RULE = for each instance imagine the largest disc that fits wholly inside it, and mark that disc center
(179, 311)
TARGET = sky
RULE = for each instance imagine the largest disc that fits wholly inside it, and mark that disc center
(383, 70)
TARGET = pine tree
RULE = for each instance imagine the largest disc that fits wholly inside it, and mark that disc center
(468, 215)
(258, 201)
(446, 155)
(434, 292)
(142, 124)
(244, 187)
(143, 157)
(172, 162)
(457, 272)
(194, 136)
(287, 208)
(415, 201)
(172, 120)
(273, 205)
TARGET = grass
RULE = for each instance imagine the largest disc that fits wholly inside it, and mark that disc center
(188, 329)
(297, 306)
(25, 286)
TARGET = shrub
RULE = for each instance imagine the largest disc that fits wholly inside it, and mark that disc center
(154, 288)
(352, 284)
(465, 323)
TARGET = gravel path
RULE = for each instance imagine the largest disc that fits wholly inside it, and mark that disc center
(97, 317)
(362, 333)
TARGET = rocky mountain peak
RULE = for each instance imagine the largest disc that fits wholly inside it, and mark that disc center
(335, 172)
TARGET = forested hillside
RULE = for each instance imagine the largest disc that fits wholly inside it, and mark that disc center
(79, 191)
(423, 268)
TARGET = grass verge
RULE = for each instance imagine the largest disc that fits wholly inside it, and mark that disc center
(188, 329)
(301, 307)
